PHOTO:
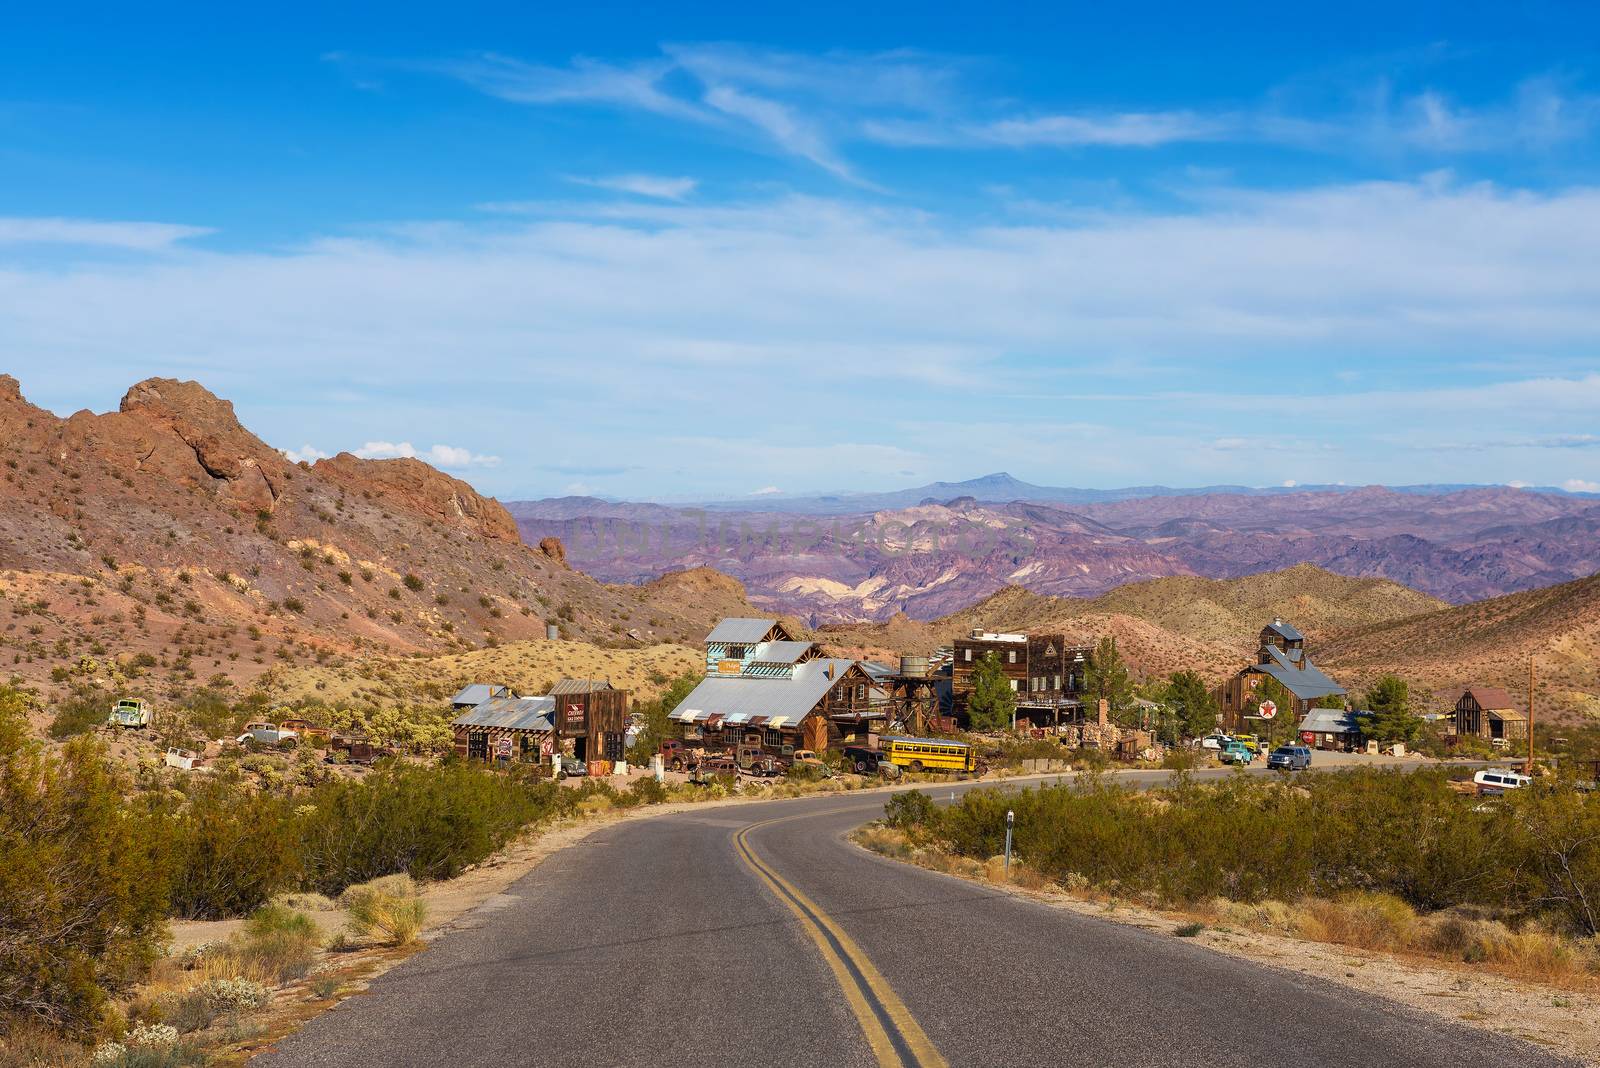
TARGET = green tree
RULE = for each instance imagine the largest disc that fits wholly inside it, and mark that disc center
(1194, 702)
(992, 702)
(1106, 677)
(1390, 720)
(657, 727)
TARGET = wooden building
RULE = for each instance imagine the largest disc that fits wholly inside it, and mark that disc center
(505, 729)
(765, 688)
(1046, 672)
(590, 719)
(1489, 713)
(1281, 655)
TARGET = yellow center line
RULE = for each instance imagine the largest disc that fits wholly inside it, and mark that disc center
(814, 921)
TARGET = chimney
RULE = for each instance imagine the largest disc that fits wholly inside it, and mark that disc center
(1105, 713)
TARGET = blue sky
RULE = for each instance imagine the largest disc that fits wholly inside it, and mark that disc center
(714, 252)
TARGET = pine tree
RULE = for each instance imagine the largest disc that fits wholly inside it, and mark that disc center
(1195, 704)
(1105, 677)
(1390, 718)
(992, 701)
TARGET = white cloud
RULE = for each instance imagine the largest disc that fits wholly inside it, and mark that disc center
(1158, 323)
(765, 491)
(1579, 485)
(644, 185)
(304, 454)
(133, 236)
(1112, 130)
(1289, 483)
(450, 457)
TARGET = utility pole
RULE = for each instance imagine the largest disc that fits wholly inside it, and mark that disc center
(1529, 769)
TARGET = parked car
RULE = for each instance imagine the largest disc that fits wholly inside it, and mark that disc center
(1290, 758)
(1214, 741)
(182, 759)
(1499, 780)
(267, 734)
(1250, 742)
(865, 761)
(572, 767)
(1236, 752)
(753, 761)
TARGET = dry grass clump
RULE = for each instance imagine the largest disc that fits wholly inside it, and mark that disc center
(387, 908)
(1266, 915)
(1364, 919)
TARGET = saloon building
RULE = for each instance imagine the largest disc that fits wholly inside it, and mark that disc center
(1045, 671)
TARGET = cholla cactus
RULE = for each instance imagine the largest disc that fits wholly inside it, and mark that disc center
(235, 994)
(152, 1036)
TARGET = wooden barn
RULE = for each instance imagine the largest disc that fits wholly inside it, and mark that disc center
(505, 729)
(1488, 712)
(1046, 672)
(591, 718)
(1282, 656)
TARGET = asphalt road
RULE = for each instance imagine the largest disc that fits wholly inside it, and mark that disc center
(680, 940)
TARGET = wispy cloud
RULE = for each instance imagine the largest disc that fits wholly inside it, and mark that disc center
(132, 236)
(450, 457)
(658, 186)
(307, 454)
(1125, 130)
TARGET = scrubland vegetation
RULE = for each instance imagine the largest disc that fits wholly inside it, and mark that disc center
(1372, 858)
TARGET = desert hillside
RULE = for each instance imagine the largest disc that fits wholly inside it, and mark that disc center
(165, 542)
(1164, 625)
(1491, 642)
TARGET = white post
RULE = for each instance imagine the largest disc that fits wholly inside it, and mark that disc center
(1011, 818)
(659, 768)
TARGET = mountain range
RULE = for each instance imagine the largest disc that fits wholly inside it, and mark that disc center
(934, 557)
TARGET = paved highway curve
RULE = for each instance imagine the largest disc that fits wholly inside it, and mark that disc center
(757, 935)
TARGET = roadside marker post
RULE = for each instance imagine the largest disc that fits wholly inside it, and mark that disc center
(1011, 818)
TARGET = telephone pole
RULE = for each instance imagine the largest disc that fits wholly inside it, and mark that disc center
(1529, 769)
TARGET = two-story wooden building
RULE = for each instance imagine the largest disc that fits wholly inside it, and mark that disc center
(1282, 656)
(1046, 672)
(765, 688)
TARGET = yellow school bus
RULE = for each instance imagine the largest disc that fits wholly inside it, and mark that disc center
(928, 754)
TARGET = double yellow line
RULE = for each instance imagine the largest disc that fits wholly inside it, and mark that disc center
(896, 1039)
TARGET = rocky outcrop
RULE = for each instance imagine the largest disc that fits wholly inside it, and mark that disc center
(414, 485)
(554, 550)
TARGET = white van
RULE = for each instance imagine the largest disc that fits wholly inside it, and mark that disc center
(1498, 780)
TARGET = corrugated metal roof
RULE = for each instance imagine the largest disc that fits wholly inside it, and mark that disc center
(511, 713)
(1285, 631)
(566, 686)
(780, 652)
(478, 692)
(1491, 697)
(790, 697)
(1303, 679)
(1330, 721)
(741, 629)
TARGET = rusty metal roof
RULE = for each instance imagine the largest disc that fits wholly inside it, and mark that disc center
(510, 713)
(566, 686)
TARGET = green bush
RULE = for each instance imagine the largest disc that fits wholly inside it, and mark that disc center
(78, 715)
(1361, 836)
(231, 850)
(82, 887)
(910, 809)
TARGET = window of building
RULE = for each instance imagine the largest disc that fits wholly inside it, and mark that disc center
(1013, 685)
(1012, 656)
(774, 738)
(967, 655)
(735, 652)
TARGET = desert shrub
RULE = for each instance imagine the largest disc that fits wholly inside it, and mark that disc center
(1363, 919)
(1366, 842)
(430, 823)
(908, 810)
(231, 850)
(82, 888)
(78, 715)
(647, 791)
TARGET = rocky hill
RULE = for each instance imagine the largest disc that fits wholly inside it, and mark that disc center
(166, 539)
(1491, 642)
